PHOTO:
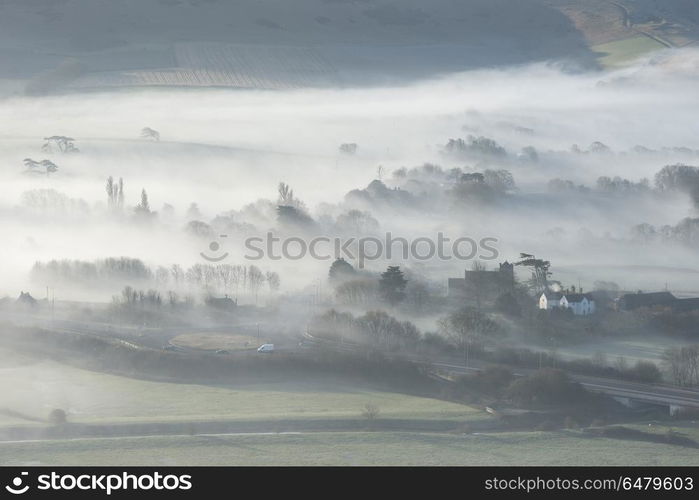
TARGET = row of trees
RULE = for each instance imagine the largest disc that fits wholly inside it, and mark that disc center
(685, 232)
(375, 328)
(353, 288)
(467, 327)
(115, 193)
(50, 201)
(215, 279)
(472, 145)
(671, 178)
(79, 271)
(219, 278)
(59, 144)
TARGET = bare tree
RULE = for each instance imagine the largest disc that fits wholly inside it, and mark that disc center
(348, 148)
(149, 133)
(177, 274)
(466, 326)
(255, 280)
(120, 196)
(59, 143)
(361, 291)
(162, 276)
(286, 194)
(683, 364)
(273, 281)
(112, 192)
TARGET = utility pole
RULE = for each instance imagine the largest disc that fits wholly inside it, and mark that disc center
(467, 348)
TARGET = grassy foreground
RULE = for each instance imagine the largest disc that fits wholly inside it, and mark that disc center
(357, 448)
(34, 388)
(31, 388)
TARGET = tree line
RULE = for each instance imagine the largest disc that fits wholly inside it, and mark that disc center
(219, 278)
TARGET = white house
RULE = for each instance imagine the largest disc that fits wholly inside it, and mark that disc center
(581, 304)
(550, 300)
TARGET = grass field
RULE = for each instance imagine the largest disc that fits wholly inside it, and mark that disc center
(34, 388)
(357, 448)
(213, 341)
(622, 52)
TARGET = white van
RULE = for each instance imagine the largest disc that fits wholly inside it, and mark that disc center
(266, 348)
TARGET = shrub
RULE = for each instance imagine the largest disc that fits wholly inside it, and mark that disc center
(493, 379)
(370, 411)
(547, 425)
(570, 423)
(57, 416)
(645, 371)
(545, 387)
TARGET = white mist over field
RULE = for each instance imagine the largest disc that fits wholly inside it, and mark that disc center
(224, 149)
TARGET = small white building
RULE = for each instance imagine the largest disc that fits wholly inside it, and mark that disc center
(550, 300)
(581, 304)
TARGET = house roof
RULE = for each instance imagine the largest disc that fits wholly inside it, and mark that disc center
(577, 297)
(222, 302)
(552, 295)
(632, 300)
(691, 304)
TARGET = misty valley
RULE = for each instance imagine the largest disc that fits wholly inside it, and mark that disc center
(350, 233)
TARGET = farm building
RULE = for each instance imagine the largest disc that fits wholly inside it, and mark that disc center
(484, 282)
(632, 301)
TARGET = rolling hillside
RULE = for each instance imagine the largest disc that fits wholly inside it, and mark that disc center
(88, 44)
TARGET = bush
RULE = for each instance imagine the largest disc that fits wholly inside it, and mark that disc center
(644, 371)
(570, 423)
(545, 387)
(370, 411)
(547, 425)
(508, 305)
(493, 379)
(57, 416)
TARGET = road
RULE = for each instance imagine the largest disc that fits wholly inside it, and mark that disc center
(156, 338)
(143, 337)
(648, 393)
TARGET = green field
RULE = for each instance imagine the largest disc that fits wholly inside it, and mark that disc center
(356, 448)
(34, 388)
(181, 417)
(622, 52)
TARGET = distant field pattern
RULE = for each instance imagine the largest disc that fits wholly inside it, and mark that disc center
(227, 65)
